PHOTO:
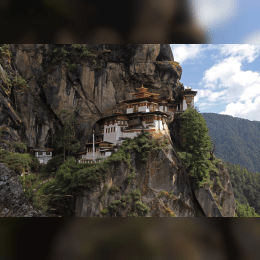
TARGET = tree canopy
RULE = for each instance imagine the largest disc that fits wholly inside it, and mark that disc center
(196, 144)
(237, 140)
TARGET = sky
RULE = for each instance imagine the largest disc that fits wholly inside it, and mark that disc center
(226, 76)
(228, 21)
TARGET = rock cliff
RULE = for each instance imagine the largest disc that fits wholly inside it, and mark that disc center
(37, 81)
(163, 183)
(109, 74)
(13, 202)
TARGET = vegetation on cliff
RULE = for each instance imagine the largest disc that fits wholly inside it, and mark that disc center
(72, 178)
(237, 140)
(18, 162)
(5, 53)
(65, 138)
(71, 55)
(246, 187)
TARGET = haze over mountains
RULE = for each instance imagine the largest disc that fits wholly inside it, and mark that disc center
(237, 140)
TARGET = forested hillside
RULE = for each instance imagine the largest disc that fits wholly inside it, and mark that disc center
(237, 140)
(246, 187)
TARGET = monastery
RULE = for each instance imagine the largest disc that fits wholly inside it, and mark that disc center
(144, 113)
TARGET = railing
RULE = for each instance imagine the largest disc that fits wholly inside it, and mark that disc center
(89, 161)
(106, 145)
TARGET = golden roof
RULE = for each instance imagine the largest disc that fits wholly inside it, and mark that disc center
(142, 89)
(142, 93)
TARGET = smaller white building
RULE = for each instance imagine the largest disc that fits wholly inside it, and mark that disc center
(102, 151)
(187, 98)
(42, 154)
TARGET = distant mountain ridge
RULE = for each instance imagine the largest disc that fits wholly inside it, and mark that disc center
(237, 140)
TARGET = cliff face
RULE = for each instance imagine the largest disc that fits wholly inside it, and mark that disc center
(91, 87)
(164, 186)
(97, 85)
(13, 202)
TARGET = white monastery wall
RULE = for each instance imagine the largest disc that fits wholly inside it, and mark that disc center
(129, 134)
(184, 106)
(43, 154)
(143, 109)
(192, 102)
(129, 110)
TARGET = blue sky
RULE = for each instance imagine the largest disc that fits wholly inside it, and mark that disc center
(228, 21)
(226, 76)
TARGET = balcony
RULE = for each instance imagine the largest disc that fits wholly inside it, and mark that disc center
(134, 122)
(105, 145)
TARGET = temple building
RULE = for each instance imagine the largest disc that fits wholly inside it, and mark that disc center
(42, 154)
(145, 113)
(186, 98)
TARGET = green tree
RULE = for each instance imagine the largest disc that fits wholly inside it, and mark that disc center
(54, 163)
(245, 210)
(196, 144)
(65, 138)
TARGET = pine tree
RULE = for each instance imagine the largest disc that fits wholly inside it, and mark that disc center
(66, 137)
(196, 144)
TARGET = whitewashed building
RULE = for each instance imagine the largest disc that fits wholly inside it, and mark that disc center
(145, 113)
(42, 154)
(185, 98)
(101, 151)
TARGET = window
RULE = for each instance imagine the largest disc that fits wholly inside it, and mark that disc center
(149, 119)
(48, 153)
(122, 128)
(39, 153)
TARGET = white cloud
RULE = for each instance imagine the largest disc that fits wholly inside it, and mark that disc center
(249, 110)
(216, 96)
(221, 73)
(227, 82)
(184, 52)
(229, 75)
(204, 93)
(204, 105)
(241, 51)
(214, 13)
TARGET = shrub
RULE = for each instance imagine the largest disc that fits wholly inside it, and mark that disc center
(132, 214)
(18, 162)
(136, 194)
(113, 189)
(20, 82)
(114, 205)
(20, 146)
(128, 199)
(54, 163)
(142, 208)
(104, 212)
